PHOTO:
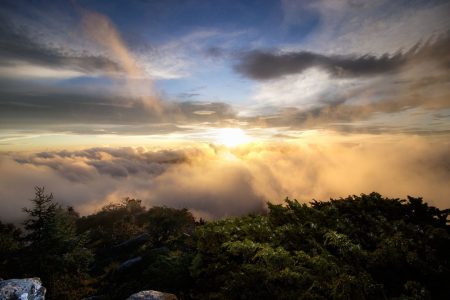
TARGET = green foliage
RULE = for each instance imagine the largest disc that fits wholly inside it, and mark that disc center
(11, 243)
(168, 225)
(10, 239)
(160, 238)
(114, 224)
(360, 247)
(54, 252)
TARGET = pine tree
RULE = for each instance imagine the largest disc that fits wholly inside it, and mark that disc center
(55, 253)
(41, 216)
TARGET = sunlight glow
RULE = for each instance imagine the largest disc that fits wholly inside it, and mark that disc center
(231, 137)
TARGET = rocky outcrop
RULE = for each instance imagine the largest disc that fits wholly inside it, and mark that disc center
(128, 264)
(152, 295)
(22, 289)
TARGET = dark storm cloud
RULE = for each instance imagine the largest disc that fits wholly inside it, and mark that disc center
(262, 65)
(18, 45)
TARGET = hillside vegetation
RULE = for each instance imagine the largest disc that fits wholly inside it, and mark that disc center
(360, 247)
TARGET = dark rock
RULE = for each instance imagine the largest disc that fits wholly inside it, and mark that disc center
(129, 263)
(152, 295)
(22, 289)
(121, 251)
(94, 298)
(134, 242)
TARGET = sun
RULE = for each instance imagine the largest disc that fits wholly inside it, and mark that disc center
(231, 137)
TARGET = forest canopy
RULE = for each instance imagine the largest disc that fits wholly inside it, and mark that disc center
(359, 247)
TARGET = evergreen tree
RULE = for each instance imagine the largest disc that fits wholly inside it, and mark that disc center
(41, 216)
(55, 253)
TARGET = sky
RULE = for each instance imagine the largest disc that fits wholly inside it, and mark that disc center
(222, 106)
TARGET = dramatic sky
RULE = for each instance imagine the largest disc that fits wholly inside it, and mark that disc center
(220, 105)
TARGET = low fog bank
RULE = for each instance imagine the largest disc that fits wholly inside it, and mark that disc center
(215, 182)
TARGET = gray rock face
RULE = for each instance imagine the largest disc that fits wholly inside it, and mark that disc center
(152, 295)
(22, 289)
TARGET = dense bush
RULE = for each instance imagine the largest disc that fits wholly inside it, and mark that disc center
(360, 247)
(365, 247)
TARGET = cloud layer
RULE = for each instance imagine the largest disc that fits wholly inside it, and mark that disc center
(140, 72)
(215, 182)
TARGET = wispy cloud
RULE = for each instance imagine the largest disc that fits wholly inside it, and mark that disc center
(361, 26)
(103, 32)
(19, 47)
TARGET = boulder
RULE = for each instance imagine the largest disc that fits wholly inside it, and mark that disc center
(128, 264)
(152, 295)
(22, 289)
